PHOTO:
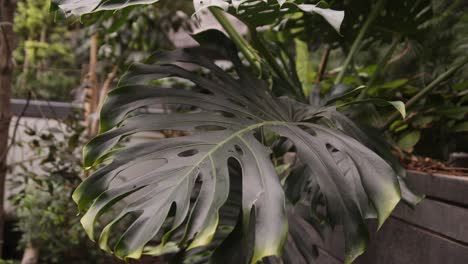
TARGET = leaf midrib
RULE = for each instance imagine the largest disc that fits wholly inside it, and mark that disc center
(237, 134)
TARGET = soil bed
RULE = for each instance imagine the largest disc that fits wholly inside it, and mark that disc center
(431, 166)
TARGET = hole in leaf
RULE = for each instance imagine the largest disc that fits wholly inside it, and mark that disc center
(226, 114)
(236, 102)
(188, 153)
(239, 150)
(197, 187)
(281, 146)
(308, 129)
(122, 224)
(168, 221)
(331, 148)
(209, 128)
(232, 207)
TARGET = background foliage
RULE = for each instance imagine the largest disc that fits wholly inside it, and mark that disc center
(46, 53)
(43, 187)
(389, 50)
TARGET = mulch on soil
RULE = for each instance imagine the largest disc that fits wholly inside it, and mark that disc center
(432, 166)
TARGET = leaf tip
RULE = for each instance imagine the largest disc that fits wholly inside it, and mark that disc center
(400, 107)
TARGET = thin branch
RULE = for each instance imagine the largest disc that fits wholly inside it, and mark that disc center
(402, 54)
(426, 90)
(323, 64)
(106, 85)
(103, 94)
(54, 115)
(15, 129)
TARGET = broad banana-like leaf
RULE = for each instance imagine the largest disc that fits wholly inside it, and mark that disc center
(253, 12)
(175, 204)
(81, 7)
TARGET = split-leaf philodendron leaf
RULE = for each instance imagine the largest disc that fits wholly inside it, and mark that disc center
(175, 205)
(253, 12)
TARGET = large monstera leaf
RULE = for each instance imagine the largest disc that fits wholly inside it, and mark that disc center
(175, 205)
(253, 12)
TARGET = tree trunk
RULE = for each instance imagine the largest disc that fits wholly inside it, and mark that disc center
(30, 255)
(92, 96)
(7, 11)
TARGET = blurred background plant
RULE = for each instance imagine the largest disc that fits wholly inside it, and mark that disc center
(50, 230)
(52, 62)
(9, 261)
(405, 46)
(53, 56)
(46, 53)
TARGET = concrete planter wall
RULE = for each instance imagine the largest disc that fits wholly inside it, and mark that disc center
(435, 232)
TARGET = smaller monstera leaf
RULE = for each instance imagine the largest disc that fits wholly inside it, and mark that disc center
(176, 203)
(253, 12)
(81, 7)
(257, 13)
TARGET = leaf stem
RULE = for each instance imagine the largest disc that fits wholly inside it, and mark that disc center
(271, 60)
(323, 64)
(426, 90)
(247, 50)
(357, 42)
(240, 42)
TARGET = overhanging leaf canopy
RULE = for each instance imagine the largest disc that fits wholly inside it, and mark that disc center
(253, 12)
(226, 123)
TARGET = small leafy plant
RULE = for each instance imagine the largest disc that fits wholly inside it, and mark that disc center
(43, 186)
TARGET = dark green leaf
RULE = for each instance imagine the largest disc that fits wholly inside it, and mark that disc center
(398, 105)
(408, 140)
(462, 127)
(355, 182)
